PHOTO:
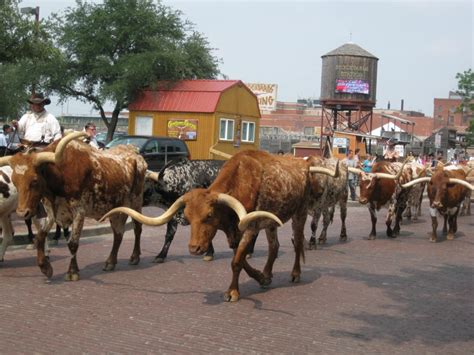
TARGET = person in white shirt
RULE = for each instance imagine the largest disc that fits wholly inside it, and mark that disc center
(38, 125)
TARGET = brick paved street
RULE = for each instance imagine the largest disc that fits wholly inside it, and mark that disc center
(397, 296)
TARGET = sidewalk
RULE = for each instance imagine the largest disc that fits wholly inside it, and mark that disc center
(91, 228)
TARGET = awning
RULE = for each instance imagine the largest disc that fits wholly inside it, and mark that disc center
(395, 118)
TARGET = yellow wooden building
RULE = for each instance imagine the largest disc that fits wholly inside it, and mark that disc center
(210, 115)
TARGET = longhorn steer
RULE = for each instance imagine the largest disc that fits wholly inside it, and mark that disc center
(447, 189)
(466, 205)
(250, 181)
(76, 181)
(381, 188)
(415, 197)
(172, 182)
(8, 204)
(329, 193)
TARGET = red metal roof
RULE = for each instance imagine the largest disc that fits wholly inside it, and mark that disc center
(183, 96)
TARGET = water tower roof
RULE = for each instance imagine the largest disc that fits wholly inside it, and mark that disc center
(351, 49)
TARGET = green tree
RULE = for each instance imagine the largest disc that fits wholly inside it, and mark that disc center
(23, 46)
(109, 51)
(466, 91)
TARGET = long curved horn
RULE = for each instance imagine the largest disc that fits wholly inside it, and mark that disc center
(390, 176)
(149, 221)
(462, 182)
(326, 171)
(416, 181)
(57, 156)
(151, 175)
(245, 218)
(218, 152)
(354, 170)
(5, 160)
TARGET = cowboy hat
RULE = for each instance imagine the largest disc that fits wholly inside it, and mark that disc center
(39, 98)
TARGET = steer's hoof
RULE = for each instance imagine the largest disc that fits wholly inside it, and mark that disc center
(343, 238)
(46, 269)
(109, 267)
(71, 277)
(322, 241)
(433, 240)
(248, 256)
(295, 278)
(450, 237)
(266, 281)
(159, 260)
(372, 237)
(1, 260)
(134, 260)
(208, 257)
(231, 296)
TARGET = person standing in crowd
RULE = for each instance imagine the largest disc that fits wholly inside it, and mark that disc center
(4, 138)
(357, 156)
(91, 131)
(38, 125)
(367, 164)
(351, 178)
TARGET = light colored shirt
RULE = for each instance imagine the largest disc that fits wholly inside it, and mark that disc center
(3, 140)
(353, 164)
(37, 127)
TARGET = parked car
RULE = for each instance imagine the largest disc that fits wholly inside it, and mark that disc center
(102, 136)
(157, 151)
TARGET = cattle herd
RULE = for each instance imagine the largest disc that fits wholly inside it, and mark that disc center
(254, 190)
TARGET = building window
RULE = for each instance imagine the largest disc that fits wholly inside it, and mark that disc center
(308, 131)
(248, 131)
(226, 132)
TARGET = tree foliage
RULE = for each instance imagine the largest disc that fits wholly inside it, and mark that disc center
(23, 46)
(466, 91)
(109, 51)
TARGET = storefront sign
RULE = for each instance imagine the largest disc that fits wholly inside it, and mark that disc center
(183, 129)
(266, 95)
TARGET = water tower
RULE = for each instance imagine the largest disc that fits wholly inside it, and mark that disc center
(348, 90)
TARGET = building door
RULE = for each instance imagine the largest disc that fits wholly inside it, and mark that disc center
(144, 125)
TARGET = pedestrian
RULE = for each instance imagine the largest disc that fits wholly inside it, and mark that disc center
(4, 135)
(91, 131)
(38, 126)
(351, 178)
(367, 163)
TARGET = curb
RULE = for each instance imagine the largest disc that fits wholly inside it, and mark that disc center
(88, 231)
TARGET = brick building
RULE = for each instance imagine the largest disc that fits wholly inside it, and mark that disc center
(446, 113)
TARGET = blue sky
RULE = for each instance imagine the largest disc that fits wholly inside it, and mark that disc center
(421, 45)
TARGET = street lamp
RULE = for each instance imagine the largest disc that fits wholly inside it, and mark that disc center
(33, 11)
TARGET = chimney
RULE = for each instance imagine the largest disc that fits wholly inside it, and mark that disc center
(401, 106)
(388, 106)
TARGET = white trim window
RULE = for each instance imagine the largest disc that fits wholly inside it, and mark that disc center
(226, 130)
(248, 131)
